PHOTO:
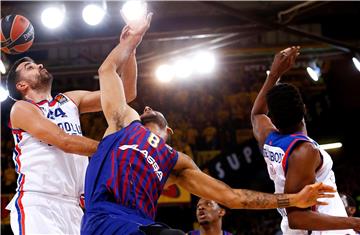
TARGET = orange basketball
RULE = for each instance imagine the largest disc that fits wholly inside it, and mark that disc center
(17, 34)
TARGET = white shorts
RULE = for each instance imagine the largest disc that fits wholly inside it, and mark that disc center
(39, 213)
(287, 231)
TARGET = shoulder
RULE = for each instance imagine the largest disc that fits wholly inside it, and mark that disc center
(262, 128)
(305, 152)
(305, 148)
(23, 111)
(75, 96)
(23, 106)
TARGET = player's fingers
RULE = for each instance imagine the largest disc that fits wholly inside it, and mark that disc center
(326, 188)
(326, 195)
(149, 18)
(321, 203)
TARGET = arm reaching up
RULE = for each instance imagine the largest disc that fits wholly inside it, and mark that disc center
(261, 123)
(117, 113)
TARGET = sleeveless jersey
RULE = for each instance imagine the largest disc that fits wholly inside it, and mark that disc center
(129, 169)
(197, 232)
(276, 151)
(43, 168)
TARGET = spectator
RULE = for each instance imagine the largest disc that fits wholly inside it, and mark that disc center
(209, 215)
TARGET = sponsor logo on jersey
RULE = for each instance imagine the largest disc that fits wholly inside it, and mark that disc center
(149, 159)
(61, 99)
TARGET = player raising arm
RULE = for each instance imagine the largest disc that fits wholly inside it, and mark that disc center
(293, 159)
(128, 172)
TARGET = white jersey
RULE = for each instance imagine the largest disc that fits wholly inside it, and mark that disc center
(276, 150)
(44, 168)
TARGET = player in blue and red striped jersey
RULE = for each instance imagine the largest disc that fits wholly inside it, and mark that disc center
(133, 164)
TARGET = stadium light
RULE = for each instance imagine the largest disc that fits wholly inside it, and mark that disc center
(53, 17)
(183, 68)
(204, 62)
(314, 71)
(134, 10)
(356, 63)
(3, 94)
(165, 73)
(331, 145)
(2, 67)
(93, 14)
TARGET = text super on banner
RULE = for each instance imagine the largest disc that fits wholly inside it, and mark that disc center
(241, 167)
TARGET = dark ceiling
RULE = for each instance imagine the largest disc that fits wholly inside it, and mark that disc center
(240, 32)
(184, 18)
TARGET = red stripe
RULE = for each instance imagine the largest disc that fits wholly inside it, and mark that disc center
(17, 131)
(123, 164)
(109, 181)
(283, 163)
(22, 212)
(18, 150)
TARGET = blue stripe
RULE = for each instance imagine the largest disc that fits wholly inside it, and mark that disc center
(17, 138)
(19, 213)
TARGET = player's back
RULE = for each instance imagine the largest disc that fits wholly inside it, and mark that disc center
(276, 151)
(129, 170)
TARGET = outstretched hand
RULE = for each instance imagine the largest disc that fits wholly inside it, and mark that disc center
(136, 28)
(283, 61)
(310, 194)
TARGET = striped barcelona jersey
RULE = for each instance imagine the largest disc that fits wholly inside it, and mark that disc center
(43, 168)
(197, 232)
(130, 168)
(277, 150)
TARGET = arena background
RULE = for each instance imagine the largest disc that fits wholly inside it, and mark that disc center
(210, 113)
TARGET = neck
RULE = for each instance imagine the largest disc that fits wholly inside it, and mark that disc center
(38, 96)
(301, 127)
(211, 229)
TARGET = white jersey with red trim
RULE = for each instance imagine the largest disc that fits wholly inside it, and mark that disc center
(276, 150)
(47, 169)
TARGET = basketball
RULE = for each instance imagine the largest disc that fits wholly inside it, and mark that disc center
(17, 34)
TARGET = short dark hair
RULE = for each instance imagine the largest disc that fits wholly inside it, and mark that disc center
(286, 107)
(12, 78)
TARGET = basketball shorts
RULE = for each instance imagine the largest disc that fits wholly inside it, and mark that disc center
(39, 213)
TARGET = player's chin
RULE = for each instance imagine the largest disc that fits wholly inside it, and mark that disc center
(147, 116)
(203, 222)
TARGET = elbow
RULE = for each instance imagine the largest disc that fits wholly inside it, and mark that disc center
(104, 68)
(131, 97)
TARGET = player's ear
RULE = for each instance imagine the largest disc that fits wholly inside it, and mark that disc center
(21, 86)
(222, 212)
